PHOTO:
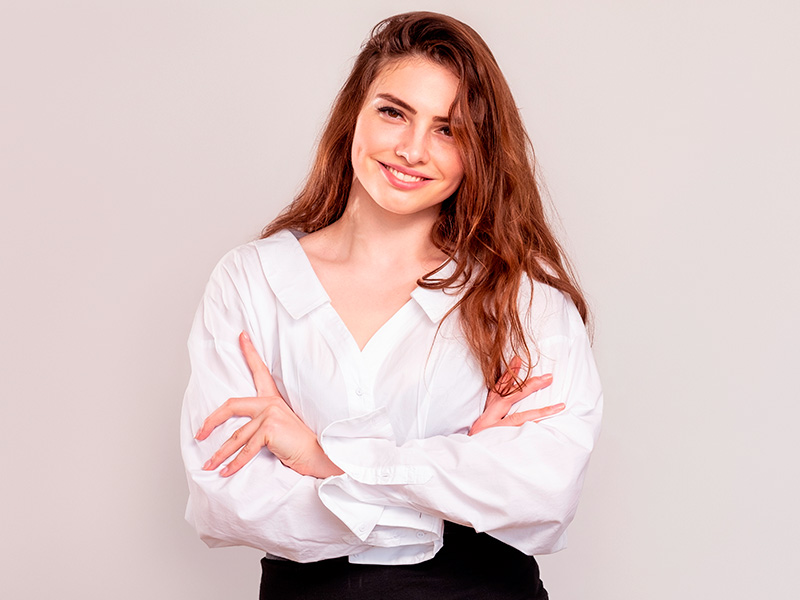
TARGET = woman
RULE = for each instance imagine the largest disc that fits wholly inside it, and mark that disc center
(413, 269)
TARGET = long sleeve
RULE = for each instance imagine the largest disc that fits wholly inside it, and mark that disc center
(265, 505)
(520, 484)
(392, 415)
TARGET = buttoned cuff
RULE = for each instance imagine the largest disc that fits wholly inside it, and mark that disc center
(359, 517)
(364, 448)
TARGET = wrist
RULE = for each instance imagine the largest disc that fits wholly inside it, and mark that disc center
(318, 465)
(326, 468)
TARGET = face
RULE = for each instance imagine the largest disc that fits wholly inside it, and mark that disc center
(404, 155)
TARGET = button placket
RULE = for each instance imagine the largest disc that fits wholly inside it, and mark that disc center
(362, 400)
(347, 356)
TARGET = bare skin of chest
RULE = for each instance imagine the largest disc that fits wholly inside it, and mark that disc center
(365, 301)
(368, 268)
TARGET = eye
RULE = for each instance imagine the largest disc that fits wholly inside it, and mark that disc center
(391, 112)
(445, 130)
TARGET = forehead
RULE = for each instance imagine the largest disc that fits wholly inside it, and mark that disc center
(417, 78)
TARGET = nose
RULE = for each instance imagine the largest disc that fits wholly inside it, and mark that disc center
(413, 145)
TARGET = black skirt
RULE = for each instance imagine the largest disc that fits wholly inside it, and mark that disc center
(469, 566)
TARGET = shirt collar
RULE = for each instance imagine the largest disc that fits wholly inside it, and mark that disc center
(437, 302)
(290, 275)
(299, 290)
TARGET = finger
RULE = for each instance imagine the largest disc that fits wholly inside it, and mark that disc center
(497, 406)
(507, 378)
(479, 425)
(240, 437)
(485, 421)
(505, 381)
(265, 385)
(232, 407)
(492, 413)
(531, 385)
(248, 452)
(535, 415)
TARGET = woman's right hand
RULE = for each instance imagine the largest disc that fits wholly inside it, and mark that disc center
(273, 425)
(495, 414)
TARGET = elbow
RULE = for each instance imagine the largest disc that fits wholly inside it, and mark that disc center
(539, 517)
(216, 524)
(223, 511)
(556, 511)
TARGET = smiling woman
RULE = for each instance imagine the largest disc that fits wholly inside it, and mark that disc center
(404, 156)
(401, 361)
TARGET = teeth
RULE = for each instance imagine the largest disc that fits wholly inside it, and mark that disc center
(404, 176)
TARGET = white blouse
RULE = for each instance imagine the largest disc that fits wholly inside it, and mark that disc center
(393, 416)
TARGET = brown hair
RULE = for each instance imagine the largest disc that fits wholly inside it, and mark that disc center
(494, 224)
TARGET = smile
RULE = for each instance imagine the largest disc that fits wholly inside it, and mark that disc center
(404, 177)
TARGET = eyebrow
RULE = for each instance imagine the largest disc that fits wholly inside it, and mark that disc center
(406, 106)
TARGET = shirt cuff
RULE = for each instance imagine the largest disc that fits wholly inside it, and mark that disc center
(365, 449)
(359, 517)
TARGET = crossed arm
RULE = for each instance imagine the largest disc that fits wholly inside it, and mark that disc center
(273, 424)
(520, 484)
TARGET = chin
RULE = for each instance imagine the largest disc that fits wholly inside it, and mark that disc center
(399, 207)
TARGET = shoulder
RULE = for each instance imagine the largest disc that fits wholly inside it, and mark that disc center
(268, 271)
(234, 268)
(238, 295)
(546, 311)
(250, 262)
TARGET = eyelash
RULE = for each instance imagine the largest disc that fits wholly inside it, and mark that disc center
(390, 112)
(393, 113)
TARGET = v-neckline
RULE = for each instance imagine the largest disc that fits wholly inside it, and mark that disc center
(379, 332)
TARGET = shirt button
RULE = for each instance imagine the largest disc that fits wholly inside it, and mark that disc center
(362, 528)
(420, 534)
(359, 391)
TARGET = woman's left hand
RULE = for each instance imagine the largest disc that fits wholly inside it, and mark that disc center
(273, 425)
(496, 412)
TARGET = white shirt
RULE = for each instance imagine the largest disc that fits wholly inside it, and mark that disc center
(393, 416)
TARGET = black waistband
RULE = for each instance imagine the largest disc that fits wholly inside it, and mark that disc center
(470, 565)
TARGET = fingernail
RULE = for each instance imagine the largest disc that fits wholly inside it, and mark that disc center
(197, 435)
(245, 336)
(224, 472)
(207, 466)
(548, 377)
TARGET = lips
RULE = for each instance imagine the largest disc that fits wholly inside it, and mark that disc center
(405, 174)
(403, 178)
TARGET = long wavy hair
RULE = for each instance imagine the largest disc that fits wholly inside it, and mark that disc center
(494, 226)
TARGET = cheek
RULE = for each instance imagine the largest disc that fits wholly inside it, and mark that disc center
(455, 168)
(364, 148)
(357, 149)
(370, 136)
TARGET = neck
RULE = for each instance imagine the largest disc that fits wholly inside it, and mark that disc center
(366, 233)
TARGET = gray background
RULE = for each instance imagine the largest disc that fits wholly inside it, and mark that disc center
(140, 140)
